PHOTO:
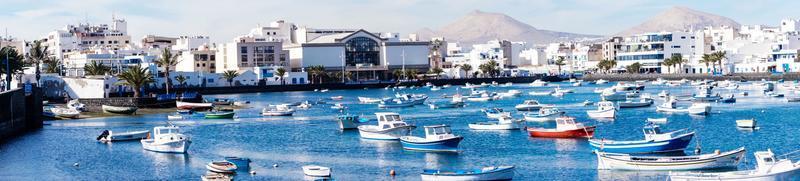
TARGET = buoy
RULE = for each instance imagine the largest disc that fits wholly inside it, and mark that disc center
(275, 165)
(252, 172)
(76, 164)
(391, 172)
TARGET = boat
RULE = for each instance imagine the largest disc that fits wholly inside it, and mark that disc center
(337, 97)
(768, 168)
(323, 90)
(613, 95)
(437, 138)
(544, 114)
(193, 105)
(241, 103)
(657, 120)
(663, 93)
(241, 163)
(396, 103)
(413, 98)
(277, 110)
(74, 104)
(304, 105)
(728, 99)
(503, 123)
(214, 176)
(390, 127)
(219, 115)
(716, 160)
(605, 109)
(435, 88)
(446, 86)
(540, 93)
(557, 94)
(316, 171)
(167, 139)
(338, 106)
(446, 104)
(699, 108)
(176, 117)
(773, 94)
(529, 105)
(495, 113)
(222, 102)
(348, 121)
(560, 90)
(221, 167)
(746, 123)
(669, 106)
(622, 86)
(600, 81)
(658, 81)
(483, 97)
(65, 112)
(538, 83)
(566, 127)
(654, 142)
(704, 94)
(119, 109)
(507, 84)
(108, 135)
(485, 173)
(510, 93)
(635, 104)
(577, 84)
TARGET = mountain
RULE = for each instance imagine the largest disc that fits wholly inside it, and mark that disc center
(479, 27)
(679, 18)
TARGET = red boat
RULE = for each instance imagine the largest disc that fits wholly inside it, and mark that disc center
(566, 127)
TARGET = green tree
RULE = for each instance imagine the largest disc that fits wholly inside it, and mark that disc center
(229, 76)
(561, 61)
(96, 68)
(167, 60)
(181, 80)
(436, 70)
(411, 74)
(36, 55)
(135, 77)
(317, 72)
(718, 57)
(17, 61)
(668, 63)
(398, 74)
(52, 65)
(634, 68)
(708, 59)
(280, 72)
(466, 68)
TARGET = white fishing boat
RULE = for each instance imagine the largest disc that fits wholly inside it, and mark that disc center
(716, 160)
(577, 84)
(529, 105)
(768, 168)
(507, 84)
(390, 127)
(613, 95)
(540, 93)
(221, 167)
(241, 103)
(108, 135)
(699, 108)
(634, 104)
(65, 112)
(437, 138)
(316, 171)
(669, 106)
(658, 81)
(74, 104)
(509, 93)
(369, 100)
(502, 123)
(323, 90)
(193, 105)
(538, 83)
(600, 81)
(119, 109)
(167, 139)
(559, 89)
(704, 94)
(605, 109)
(481, 98)
(746, 123)
(304, 105)
(435, 88)
(337, 97)
(337, 106)
(657, 120)
(663, 93)
(485, 173)
(495, 113)
(544, 114)
(277, 110)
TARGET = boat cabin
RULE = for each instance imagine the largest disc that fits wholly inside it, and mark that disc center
(159, 130)
(438, 132)
(653, 132)
(764, 161)
(605, 105)
(493, 110)
(531, 102)
(567, 123)
(388, 120)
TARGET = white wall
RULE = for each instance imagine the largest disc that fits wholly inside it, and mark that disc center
(414, 55)
(325, 56)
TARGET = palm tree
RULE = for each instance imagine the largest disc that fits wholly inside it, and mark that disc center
(466, 68)
(436, 70)
(167, 60)
(36, 55)
(280, 72)
(718, 57)
(181, 80)
(229, 76)
(96, 68)
(560, 62)
(135, 77)
(668, 62)
(14, 58)
(316, 71)
(634, 68)
(708, 59)
(411, 74)
(52, 64)
(398, 74)
(601, 65)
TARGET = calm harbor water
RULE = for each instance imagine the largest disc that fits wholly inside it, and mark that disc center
(312, 137)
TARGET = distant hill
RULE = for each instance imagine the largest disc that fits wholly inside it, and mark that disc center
(479, 27)
(679, 18)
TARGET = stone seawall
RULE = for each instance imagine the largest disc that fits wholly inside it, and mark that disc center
(20, 113)
(742, 76)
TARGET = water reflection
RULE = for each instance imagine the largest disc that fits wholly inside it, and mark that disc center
(566, 144)
(630, 175)
(442, 160)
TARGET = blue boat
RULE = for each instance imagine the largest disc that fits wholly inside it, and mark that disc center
(396, 103)
(241, 163)
(485, 173)
(437, 138)
(654, 142)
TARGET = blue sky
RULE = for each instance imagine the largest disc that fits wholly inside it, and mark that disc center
(225, 19)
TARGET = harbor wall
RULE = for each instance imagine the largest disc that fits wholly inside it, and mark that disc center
(20, 113)
(738, 76)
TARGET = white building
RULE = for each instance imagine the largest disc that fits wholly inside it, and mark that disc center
(650, 49)
(196, 54)
(246, 52)
(85, 36)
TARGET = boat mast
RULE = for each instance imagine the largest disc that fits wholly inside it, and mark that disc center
(342, 56)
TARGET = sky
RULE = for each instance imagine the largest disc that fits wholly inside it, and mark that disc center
(223, 20)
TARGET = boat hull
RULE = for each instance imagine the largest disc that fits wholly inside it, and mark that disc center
(220, 116)
(678, 143)
(504, 173)
(137, 135)
(721, 161)
(368, 132)
(278, 113)
(611, 113)
(492, 126)
(171, 147)
(450, 144)
(792, 174)
(584, 132)
(119, 110)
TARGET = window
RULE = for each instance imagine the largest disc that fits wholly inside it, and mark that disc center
(243, 49)
(676, 46)
(683, 37)
(362, 50)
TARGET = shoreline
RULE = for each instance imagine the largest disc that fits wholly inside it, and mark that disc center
(737, 76)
